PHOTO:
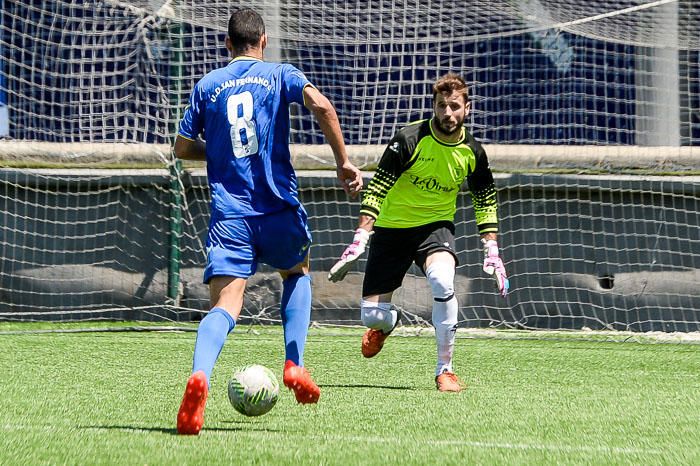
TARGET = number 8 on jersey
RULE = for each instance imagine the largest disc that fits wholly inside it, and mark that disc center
(239, 109)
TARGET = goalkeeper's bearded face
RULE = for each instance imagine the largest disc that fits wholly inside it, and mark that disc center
(450, 111)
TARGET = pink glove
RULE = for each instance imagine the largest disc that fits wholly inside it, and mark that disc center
(493, 265)
(350, 255)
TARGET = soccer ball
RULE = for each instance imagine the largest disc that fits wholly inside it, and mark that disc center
(253, 390)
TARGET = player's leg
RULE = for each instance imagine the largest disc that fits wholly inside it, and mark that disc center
(227, 299)
(230, 261)
(227, 296)
(381, 318)
(284, 244)
(388, 261)
(439, 269)
(295, 309)
(377, 312)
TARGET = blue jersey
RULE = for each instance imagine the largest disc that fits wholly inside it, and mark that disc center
(242, 112)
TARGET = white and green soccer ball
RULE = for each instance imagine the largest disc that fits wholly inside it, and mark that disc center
(253, 390)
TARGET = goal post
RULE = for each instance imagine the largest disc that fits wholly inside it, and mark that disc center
(587, 111)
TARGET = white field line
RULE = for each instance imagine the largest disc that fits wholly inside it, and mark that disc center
(373, 439)
(521, 446)
(476, 444)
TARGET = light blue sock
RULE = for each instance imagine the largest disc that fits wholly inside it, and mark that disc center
(296, 316)
(211, 336)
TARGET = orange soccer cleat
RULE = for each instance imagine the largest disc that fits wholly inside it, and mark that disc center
(190, 417)
(372, 342)
(449, 382)
(299, 380)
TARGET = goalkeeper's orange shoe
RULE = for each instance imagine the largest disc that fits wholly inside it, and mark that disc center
(298, 379)
(190, 417)
(373, 342)
(449, 382)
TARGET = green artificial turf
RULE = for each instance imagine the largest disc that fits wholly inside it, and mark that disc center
(112, 398)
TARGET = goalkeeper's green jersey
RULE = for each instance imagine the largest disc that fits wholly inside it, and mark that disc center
(419, 177)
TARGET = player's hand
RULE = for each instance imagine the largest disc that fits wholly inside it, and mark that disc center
(350, 179)
(493, 265)
(350, 255)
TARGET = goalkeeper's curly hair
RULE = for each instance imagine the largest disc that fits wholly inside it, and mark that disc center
(449, 83)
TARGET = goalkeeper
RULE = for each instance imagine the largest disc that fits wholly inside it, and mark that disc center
(409, 208)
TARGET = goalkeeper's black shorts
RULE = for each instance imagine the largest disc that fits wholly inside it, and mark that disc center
(393, 250)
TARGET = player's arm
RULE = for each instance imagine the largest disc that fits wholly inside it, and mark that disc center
(483, 193)
(188, 149)
(188, 145)
(349, 176)
(392, 164)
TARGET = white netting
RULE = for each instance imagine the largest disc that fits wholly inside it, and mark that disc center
(577, 85)
(555, 72)
(602, 252)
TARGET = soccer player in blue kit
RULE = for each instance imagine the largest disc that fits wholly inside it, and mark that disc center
(242, 110)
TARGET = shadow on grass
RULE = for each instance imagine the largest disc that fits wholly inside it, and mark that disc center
(172, 431)
(365, 385)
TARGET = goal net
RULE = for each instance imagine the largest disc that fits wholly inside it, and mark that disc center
(588, 112)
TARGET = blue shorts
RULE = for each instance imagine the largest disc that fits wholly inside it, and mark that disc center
(235, 246)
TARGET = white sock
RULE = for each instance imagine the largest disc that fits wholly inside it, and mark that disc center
(441, 277)
(445, 323)
(379, 316)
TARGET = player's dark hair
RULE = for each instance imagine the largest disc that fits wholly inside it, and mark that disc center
(449, 83)
(245, 28)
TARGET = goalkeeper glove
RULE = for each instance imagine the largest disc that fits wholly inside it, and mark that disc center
(493, 265)
(350, 255)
